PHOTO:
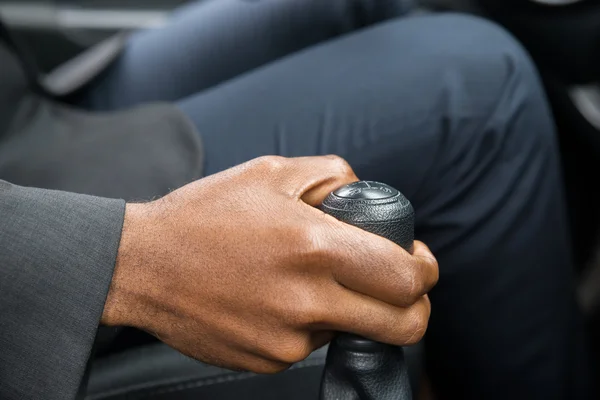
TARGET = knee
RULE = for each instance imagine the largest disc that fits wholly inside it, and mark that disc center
(480, 87)
(498, 94)
(476, 75)
(468, 64)
(488, 63)
(471, 36)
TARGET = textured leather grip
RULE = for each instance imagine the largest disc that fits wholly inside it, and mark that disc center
(357, 368)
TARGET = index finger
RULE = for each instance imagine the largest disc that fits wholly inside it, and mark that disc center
(311, 179)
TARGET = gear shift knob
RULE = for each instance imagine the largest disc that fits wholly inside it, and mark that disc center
(357, 368)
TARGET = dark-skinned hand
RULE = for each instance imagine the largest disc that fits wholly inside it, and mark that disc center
(240, 269)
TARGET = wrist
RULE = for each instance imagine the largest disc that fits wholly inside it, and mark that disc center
(125, 300)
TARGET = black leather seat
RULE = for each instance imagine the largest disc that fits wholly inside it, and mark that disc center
(157, 372)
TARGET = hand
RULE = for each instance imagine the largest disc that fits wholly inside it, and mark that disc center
(240, 270)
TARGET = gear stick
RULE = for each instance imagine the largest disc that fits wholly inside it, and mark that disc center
(357, 368)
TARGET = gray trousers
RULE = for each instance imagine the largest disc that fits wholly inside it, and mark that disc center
(446, 108)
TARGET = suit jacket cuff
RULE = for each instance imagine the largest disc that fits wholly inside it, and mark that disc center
(57, 256)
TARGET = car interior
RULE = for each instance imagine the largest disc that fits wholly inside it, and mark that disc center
(70, 40)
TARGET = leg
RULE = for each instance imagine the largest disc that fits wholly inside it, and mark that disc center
(211, 41)
(449, 109)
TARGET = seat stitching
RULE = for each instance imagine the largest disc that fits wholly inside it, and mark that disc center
(190, 384)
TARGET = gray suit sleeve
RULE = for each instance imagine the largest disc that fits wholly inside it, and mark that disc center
(57, 255)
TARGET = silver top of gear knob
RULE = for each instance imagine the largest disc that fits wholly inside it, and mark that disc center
(366, 190)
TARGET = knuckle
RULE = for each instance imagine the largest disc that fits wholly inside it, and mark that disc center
(292, 351)
(271, 163)
(415, 287)
(417, 326)
(295, 354)
(436, 271)
(340, 165)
